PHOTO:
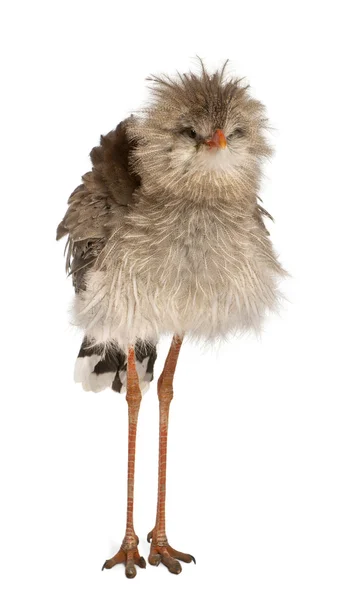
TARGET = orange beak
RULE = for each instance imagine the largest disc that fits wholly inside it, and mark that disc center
(218, 140)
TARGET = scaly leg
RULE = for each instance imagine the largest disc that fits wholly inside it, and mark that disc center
(128, 552)
(161, 551)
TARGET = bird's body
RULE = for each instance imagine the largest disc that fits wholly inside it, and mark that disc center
(166, 232)
(172, 266)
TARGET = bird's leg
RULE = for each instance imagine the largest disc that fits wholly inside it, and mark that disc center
(128, 552)
(161, 551)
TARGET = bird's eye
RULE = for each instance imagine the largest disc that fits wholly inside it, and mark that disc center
(238, 132)
(190, 132)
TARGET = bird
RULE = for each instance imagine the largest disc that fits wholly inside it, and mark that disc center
(166, 235)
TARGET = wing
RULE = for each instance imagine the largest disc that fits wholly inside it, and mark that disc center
(96, 205)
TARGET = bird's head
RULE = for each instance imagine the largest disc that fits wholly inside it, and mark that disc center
(201, 136)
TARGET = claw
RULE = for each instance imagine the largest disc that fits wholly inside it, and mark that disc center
(141, 562)
(193, 559)
(149, 536)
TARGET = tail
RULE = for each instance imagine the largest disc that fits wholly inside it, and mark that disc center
(100, 366)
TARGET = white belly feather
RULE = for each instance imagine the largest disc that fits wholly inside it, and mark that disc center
(205, 278)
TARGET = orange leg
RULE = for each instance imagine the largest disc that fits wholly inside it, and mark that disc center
(128, 552)
(161, 551)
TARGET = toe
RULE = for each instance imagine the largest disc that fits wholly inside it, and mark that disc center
(130, 570)
(115, 560)
(172, 564)
(108, 564)
(187, 558)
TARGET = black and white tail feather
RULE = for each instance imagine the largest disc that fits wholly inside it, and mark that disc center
(100, 366)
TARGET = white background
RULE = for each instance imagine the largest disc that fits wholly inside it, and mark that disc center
(261, 473)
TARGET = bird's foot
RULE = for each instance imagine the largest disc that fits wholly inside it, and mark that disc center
(162, 552)
(129, 555)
